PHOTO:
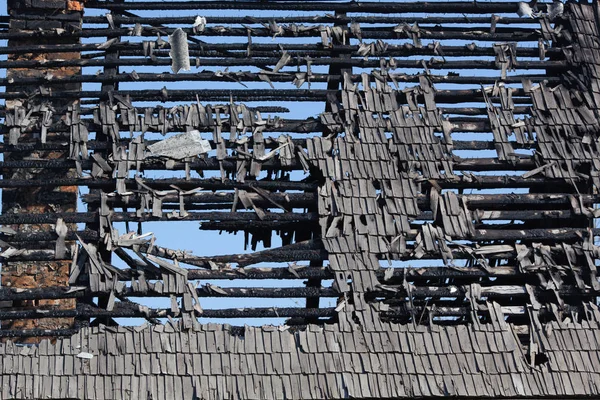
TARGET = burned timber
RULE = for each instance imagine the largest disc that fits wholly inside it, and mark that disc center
(421, 176)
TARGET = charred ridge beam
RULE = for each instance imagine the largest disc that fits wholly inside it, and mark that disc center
(272, 50)
(524, 163)
(185, 184)
(347, 7)
(263, 62)
(125, 20)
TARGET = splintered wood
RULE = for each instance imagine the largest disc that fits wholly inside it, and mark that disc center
(439, 202)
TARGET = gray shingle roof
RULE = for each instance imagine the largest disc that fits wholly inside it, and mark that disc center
(214, 362)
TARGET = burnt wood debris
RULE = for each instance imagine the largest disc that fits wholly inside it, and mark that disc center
(435, 214)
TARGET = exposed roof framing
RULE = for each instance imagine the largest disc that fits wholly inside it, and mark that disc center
(453, 136)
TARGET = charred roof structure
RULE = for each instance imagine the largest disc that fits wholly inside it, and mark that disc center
(443, 196)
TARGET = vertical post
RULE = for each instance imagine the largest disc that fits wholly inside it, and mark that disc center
(30, 113)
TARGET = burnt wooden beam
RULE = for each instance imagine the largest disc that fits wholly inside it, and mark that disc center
(316, 19)
(222, 95)
(361, 63)
(94, 144)
(523, 163)
(500, 201)
(7, 294)
(27, 270)
(281, 77)
(89, 217)
(489, 234)
(398, 296)
(459, 182)
(312, 125)
(272, 50)
(31, 333)
(385, 7)
(122, 310)
(209, 198)
(304, 272)
(482, 33)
